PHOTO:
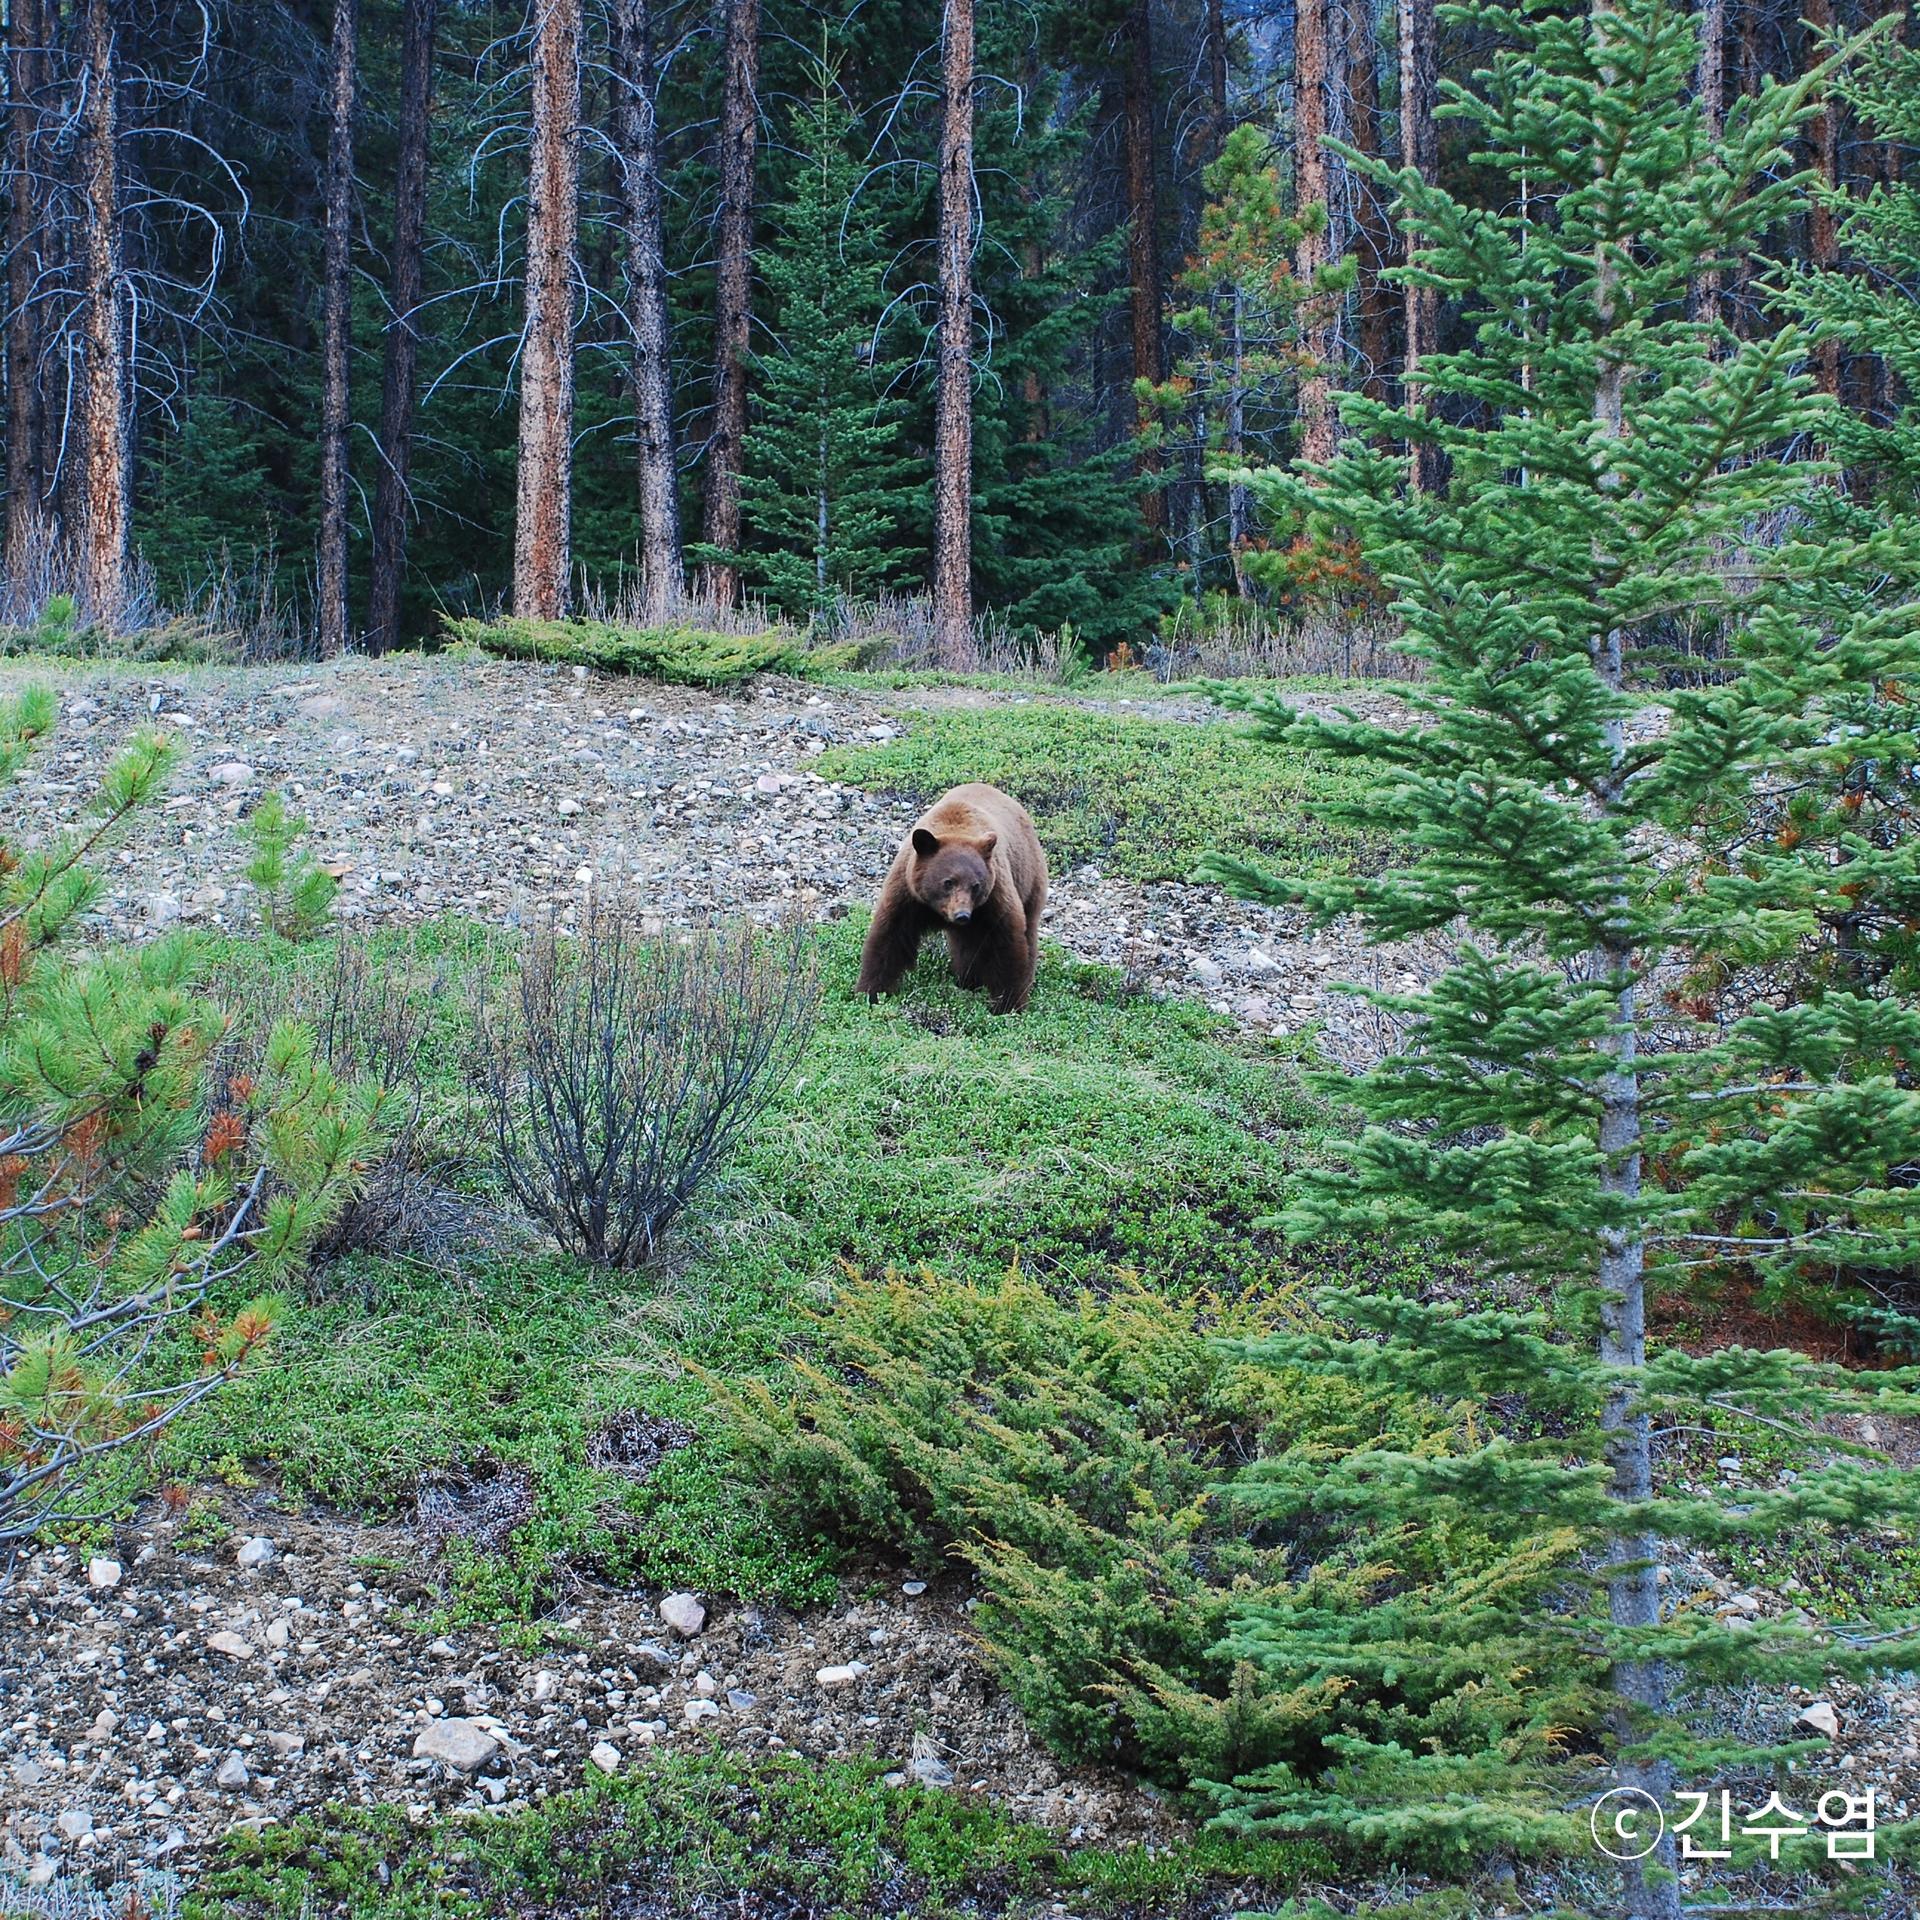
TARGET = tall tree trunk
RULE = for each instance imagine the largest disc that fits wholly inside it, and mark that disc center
(953, 405)
(26, 41)
(1370, 239)
(1420, 151)
(399, 373)
(637, 141)
(1143, 237)
(1823, 141)
(1238, 504)
(1710, 88)
(336, 400)
(103, 383)
(1615, 964)
(543, 523)
(1312, 181)
(732, 294)
(1217, 71)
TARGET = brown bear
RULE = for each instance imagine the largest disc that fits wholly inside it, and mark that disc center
(972, 865)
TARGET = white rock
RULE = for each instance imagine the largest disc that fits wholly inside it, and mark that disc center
(103, 1573)
(606, 1756)
(233, 1775)
(697, 1710)
(913, 1589)
(683, 1613)
(834, 1679)
(75, 1823)
(231, 1644)
(232, 773)
(1208, 972)
(543, 1686)
(463, 1745)
(255, 1552)
(287, 1745)
(706, 1686)
(1821, 1719)
(278, 1633)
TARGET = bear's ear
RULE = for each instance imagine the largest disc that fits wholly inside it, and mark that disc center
(925, 844)
(987, 846)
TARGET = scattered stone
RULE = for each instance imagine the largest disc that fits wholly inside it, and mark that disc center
(833, 1679)
(232, 773)
(75, 1823)
(740, 1700)
(606, 1756)
(233, 1775)
(461, 1744)
(705, 1685)
(287, 1746)
(694, 1711)
(913, 1589)
(1821, 1718)
(233, 1645)
(103, 1573)
(684, 1614)
(255, 1552)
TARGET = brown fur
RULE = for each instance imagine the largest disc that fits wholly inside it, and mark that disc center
(972, 866)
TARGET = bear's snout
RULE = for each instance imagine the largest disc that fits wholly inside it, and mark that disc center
(961, 915)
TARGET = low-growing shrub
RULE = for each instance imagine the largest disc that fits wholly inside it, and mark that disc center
(687, 655)
(1078, 1456)
(294, 891)
(618, 1068)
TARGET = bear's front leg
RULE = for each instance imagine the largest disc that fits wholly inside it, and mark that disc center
(1007, 973)
(893, 944)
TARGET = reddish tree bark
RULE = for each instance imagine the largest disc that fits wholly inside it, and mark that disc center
(26, 478)
(1710, 89)
(1823, 142)
(105, 511)
(1371, 243)
(732, 294)
(954, 641)
(1312, 180)
(1143, 238)
(337, 294)
(1419, 150)
(543, 522)
(400, 369)
(637, 141)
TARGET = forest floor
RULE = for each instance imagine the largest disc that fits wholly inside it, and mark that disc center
(278, 1638)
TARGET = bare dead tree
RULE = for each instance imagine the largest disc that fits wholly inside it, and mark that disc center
(1823, 144)
(1217, 72)
(1371, 243)
(543, 521)
(1143, 237)
(26, 63)
(956, 646)
(1419, 151)
(732, 294)
(104, 467)
(636, 139)
(399, 377)
(337, 296)
(1312, 174)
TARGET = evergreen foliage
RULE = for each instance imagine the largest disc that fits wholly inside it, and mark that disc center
(294, 890)
(1577, 807)
(688, 656)
(133, 1196)
(825, 484)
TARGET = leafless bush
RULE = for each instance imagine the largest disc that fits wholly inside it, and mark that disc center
(371, 1018)
(623, 604)
(899, 630)
(118, 1892)
(1253, 644)
(235, 613)
(618, 1068)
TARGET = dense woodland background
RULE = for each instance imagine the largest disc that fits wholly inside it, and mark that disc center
(979, 302)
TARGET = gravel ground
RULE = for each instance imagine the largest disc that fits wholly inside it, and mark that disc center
(498, 790)
(162, 1692)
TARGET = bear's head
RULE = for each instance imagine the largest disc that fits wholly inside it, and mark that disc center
(952, 877)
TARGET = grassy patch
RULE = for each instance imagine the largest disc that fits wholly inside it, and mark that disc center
(1099, 1134)
(711, 1836)
(1140, 797)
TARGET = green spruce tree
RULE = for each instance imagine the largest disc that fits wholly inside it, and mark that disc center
(1552, 1118)
(825, 483)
